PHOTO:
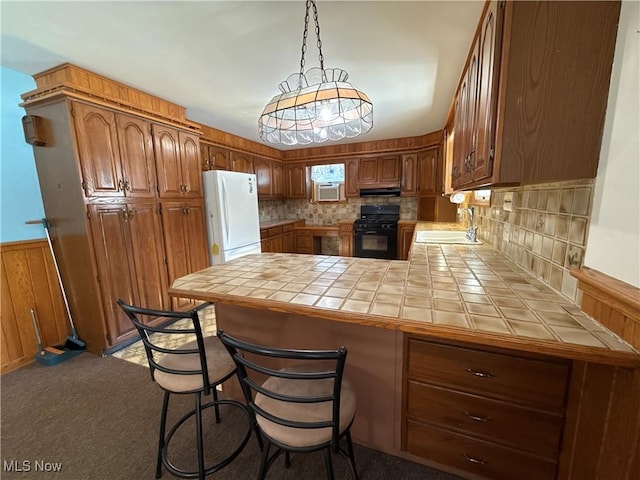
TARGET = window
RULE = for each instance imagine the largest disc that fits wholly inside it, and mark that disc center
(328, 173)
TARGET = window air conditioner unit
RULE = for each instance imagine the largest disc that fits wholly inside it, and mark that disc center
(328, 191)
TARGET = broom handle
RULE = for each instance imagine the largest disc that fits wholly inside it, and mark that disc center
(45, 224)
(35, 327)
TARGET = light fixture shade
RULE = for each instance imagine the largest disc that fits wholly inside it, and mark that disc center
(314, 107)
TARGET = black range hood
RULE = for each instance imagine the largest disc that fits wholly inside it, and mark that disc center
(380, 192)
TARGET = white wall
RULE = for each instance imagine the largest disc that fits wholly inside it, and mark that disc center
(613, 245)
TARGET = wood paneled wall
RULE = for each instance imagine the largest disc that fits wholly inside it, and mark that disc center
(602, 439)
(29, 282)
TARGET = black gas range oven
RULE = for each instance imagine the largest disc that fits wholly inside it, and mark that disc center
(375, 233)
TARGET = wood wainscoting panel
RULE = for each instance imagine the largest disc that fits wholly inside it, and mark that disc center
(29, 281)
(602, 434)
(613, 303)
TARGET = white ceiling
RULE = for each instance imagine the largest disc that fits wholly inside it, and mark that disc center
(223, 60)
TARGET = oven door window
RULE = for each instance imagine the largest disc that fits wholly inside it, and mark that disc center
(375, 243)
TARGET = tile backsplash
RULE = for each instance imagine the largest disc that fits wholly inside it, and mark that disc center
(330, 213)
(546, 231)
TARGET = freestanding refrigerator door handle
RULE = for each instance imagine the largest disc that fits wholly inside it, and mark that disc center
(226, 210)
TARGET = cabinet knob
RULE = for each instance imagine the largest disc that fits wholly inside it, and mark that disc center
(120, 185)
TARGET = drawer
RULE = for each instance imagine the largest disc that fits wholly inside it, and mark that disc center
(275, 231)
(288, 227)
(527, 381)
(474, 456)
(493, 420)
(264, 232)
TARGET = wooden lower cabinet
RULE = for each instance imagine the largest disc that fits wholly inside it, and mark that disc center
(345, 229)
(278, 239)
(185, 240)
(129, 248)
(490, 413)
(405, 238)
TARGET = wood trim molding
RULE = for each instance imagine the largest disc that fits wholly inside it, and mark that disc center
(70, 80)
(613, 303)
(229, 140)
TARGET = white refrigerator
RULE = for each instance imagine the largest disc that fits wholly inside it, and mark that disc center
(231, 207)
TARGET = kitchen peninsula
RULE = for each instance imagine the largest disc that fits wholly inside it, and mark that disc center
(454, 326)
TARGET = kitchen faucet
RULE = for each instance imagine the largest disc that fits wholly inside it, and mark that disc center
(472, 230)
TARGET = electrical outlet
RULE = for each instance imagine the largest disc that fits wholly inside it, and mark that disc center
(507, 204)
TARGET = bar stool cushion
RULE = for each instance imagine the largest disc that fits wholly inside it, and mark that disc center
(219, 364)
(304, 412)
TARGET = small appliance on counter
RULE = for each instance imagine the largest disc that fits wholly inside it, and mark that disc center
(375, 233)
(231, 208)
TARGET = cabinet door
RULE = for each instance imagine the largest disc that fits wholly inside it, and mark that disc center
(136, 151)
(184, 238)
(116, 264)
(241, 162)
(296, 181)
(190, 169)
(276, 244)
(405, 237)
(288, 242)
(205, 161)
(351, 177)
(389, 169)
(457, 165)
(428, 172)
(97, 138)
(262, 169)
(219, 158)
(409, 184)
(167, 152)
(277, 180)
(488, 65)
(471, 112)
(368, 171)
(149, 256)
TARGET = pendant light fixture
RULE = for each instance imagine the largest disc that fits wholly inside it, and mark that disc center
(316, 105)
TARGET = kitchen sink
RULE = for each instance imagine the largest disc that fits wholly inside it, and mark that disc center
(445, 236)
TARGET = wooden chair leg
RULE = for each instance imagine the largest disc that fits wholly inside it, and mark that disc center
(163, 425)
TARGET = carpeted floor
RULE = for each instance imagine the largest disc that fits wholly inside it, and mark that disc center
(98, 418)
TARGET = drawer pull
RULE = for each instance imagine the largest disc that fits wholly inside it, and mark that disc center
(479, 374)
(471, 459)
(477, 418)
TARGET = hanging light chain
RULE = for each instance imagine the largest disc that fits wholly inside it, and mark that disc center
(304, 38)
(319, 43)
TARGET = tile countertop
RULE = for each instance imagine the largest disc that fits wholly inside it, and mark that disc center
(458, 292)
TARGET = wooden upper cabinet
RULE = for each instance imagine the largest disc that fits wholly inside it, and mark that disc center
(136, 151)
(167, 152)
(381, 171)
(521, 113)
(190, 167)
(489, 45)
(296, 181)
(177, 162)
(277, 179)
(351, 167)
(241, 162)
(219, 158)
(368, 171)
(214, 157)
(409, 183)
(429, 172)
(262, 169)
(97, 138)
